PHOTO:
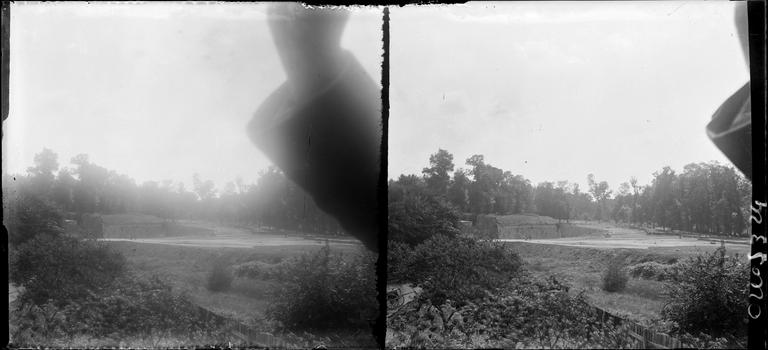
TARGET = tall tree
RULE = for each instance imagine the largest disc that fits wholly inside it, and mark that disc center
(205, 189)
(42, 173)
(458, 191)
(600, 192)
(437, 175)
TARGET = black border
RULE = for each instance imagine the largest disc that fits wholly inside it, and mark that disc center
(758, 327)
(757, 35)
(5, 17)
(380, 329)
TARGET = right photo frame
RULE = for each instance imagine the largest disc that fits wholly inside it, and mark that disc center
(576, 175)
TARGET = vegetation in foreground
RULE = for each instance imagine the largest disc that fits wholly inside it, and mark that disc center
(513, 312)
(708, 294)
(82, 292)
(473, 293)
(104, 302)
(498, 304)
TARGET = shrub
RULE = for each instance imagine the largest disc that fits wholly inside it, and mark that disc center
(63, 269)
(615, 278)
(459, 268)
(652, 270)
(709, 295)
(220, 278)
(31, 216)
(323, 291)
(134, 307)
(399, 259)
(415, 217)
(528, 314)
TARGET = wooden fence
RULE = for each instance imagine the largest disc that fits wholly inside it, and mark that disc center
(241, 334)
(642, 337)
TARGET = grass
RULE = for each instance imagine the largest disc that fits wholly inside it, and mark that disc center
(186, 269)
(641, 301)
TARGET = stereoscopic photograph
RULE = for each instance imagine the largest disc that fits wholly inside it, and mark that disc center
(182, 174)
(546, 175)
(569, 175)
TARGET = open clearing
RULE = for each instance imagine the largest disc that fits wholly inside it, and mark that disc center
(185, 261)
(186, 267)
(234, 237)
(627, 238)
(581, 261)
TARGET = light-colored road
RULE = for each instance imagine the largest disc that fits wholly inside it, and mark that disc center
(230, 237)
(619, 237)
(13, 293)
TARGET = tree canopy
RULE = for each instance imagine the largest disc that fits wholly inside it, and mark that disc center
(705, 197)
(83, 187)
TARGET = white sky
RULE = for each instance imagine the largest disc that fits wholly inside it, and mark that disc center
(552, 91)
(155, 91)
(557, 90)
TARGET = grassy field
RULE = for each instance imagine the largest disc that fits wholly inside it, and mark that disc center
(187, 268)
(641, 301)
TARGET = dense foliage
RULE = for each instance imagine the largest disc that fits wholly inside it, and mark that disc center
(325, 291)
(705, 198)
(653, 270)
(133, 307)
(415, 217)
(32, 215)
(85, 187)
(63, 269)
(399, 260)
(459, 269)
(709, 294)
(76, 291)
(527, 313)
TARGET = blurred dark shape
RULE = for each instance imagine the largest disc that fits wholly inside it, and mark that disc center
(731, 125)
(322, 126)
(731, 130)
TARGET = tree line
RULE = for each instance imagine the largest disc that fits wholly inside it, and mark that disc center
(705, 197)
(87, 188)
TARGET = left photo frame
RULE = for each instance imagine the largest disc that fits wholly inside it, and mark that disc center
(185, 175)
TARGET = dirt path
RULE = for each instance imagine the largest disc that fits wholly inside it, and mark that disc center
(13, 293)
(620, 237)
(232, 237)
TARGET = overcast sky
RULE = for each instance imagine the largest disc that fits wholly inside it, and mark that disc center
(558, 90)
(153, 91)
(552, 91)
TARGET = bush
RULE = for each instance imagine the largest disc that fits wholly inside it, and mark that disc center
(415, 217)
(615, 278)
(528, 314)
(457, 268)
(220, 278)
(63, 269)
(652, 270)
(32, 216)
(134, 307)
(327, 292)
(399, 260)
(709, 294)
